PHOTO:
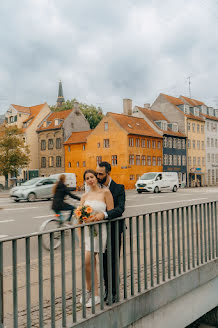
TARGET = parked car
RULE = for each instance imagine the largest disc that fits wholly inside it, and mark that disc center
(157, 181)
(33, 189)
(70, 179)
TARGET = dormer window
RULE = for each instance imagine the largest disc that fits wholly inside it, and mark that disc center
(216, 112)
(162, 125)
(173, 127)
(196, 111)
(185, 108)
(211, 111)
(56, 122)
(48, 123)
(44, 124)
(130, 126)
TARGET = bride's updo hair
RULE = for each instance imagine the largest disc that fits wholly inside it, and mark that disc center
(89, 171)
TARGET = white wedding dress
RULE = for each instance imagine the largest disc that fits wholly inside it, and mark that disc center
(97, 206)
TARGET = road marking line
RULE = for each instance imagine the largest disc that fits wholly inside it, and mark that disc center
(18, 208)
(176, 201)
(4, 221)
(3, 236)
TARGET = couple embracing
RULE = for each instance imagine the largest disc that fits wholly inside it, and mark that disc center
(107, 199)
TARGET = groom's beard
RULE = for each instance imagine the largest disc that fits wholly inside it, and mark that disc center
(102, 181)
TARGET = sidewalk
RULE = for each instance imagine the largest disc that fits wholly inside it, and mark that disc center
(4, 193)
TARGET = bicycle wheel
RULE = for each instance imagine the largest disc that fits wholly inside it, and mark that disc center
(52, 224)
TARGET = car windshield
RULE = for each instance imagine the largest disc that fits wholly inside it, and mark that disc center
(148, 176)
(31, 182)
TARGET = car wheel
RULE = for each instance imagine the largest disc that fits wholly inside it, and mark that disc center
(31, 197)
(16, 200)
(175, 189)
(139, 191)
(156, 190)
(48, 198)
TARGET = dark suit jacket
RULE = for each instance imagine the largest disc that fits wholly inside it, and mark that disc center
(118, 193)
(60, 193)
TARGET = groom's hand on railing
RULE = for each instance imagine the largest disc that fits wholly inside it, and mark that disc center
(97, 217)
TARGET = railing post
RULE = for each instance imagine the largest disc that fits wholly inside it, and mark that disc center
(1, 288)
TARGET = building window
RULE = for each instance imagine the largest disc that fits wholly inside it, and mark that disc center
(106, 143)
(98, 145)
(114, 160)
(58, 143)
(158, 144)
(138, 160)
(84, 163)
(202, 144)
(77, 164)
(69, 164)
(98, 159)
(212, 143)
(43, 162)
(143, 160)
(137, 142)
(198, 144)
(179, 160)
(194, 161)
(170, 143)
(50, 144)
(216, 143)
(212, 158)
(189, 161)
(51, 161)
(131, 159)
(174, 160)
(131, 177)
(149, 160)
(202, 128)
(153, 144)
(165, 142)
(199, 161)
(143, 143)
(189, 143)
(154, 161)
(212, 176)
(203, 161)
(148, 143)
(193, 127)
(208, 158)
(208, 176)
(170, 160)
(105, 126)
(174, 142)
(216, 176)
(159, 162)
(43, 145)
(198, 128)
(179, 144)
(131, 142)
(69, 149)
(165, 159)
(193, 144)
(189, 126)
(208, 142)
(183, 160)
(58, 161)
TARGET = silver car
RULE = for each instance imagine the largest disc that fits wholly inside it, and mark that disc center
(31, 190)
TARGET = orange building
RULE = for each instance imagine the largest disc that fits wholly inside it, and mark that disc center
(128, 143)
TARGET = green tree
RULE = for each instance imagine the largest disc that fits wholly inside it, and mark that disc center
(13, 152)
(93, 114)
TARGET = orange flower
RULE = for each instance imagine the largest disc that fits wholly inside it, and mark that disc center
(84, 218)
(89, 210)
(78, 213)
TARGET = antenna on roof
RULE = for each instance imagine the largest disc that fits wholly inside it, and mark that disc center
(189, 85)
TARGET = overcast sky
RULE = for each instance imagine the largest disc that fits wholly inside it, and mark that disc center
(105, 51)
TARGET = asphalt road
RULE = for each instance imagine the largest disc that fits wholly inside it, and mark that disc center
(25, 218)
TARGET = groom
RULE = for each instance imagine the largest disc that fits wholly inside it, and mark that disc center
(118, 192)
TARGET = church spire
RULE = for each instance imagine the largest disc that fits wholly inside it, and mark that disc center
(60, 99)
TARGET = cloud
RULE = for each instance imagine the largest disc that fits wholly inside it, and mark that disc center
(104, 51)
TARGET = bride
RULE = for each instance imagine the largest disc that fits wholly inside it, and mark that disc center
(101, 200)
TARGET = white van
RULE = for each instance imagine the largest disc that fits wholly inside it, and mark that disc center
(157, 181)
(70, 179)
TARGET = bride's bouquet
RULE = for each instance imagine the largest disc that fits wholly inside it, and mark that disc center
(83, 212)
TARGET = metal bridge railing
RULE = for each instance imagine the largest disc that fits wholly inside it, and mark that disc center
(41, 288)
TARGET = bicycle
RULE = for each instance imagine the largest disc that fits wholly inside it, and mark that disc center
(55, 224)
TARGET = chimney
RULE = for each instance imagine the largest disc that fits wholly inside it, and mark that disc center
(127, 107)
(147, 106)
(76, 106)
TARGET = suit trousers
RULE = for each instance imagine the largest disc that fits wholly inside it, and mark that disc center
(113, 261)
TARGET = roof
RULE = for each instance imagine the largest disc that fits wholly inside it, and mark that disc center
(134, 125)
(193, 102)
(210, 117)
(176, 102)
(61, 115)
(34, 111)
(154, 115)
(21, 109)
(78, 137)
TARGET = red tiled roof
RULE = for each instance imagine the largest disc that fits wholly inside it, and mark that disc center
(210, 117)
(62, 115)
(134, 125)
(21, 109)
(78, 137)
(34, 111)
(193, 102)
(154, 115)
